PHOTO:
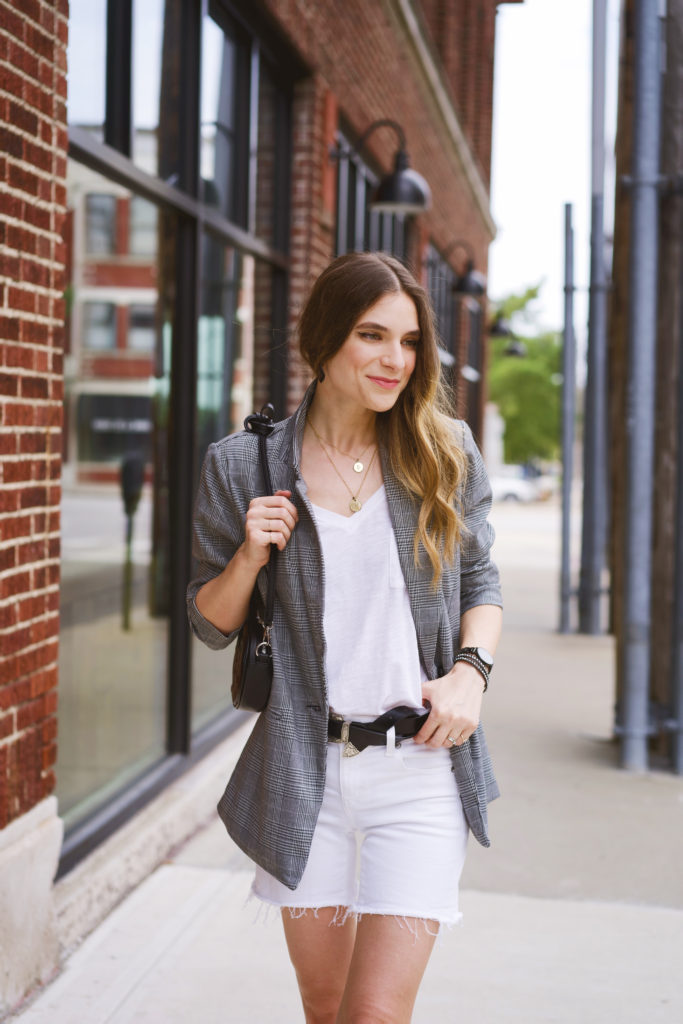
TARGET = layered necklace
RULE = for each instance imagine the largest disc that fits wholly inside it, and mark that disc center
(358, 466)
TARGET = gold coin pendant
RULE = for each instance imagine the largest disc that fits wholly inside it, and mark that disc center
(358, 466)
(355, 505)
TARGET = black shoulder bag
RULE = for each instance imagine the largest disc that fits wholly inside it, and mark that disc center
(252, 667)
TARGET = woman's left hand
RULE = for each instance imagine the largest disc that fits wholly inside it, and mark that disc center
(455, 706)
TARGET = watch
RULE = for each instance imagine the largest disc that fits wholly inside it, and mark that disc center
(482, 655)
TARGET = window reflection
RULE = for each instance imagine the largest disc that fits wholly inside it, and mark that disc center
(224, 93)
(141, 328)
(114, 594)
(99, 325)
(86, 61)
(100, 223)
(143, 227)
(235, 299)
(155, 86)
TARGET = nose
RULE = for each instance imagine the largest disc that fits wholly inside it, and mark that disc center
(393, 355)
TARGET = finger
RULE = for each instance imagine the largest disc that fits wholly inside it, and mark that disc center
(272, 501)
(440, 737)
(455, 739)
(427, 731)
(288, 504)
(275, 516)
(269, 518)
(444, 734)
(273, 506)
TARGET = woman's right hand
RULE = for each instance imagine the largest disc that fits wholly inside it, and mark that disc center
(270, 520)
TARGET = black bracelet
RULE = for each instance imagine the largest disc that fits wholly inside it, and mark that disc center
(475, 663)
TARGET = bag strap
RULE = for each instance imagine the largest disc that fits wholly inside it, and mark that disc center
(261, 424)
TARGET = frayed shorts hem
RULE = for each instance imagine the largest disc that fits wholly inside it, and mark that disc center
(343, 913)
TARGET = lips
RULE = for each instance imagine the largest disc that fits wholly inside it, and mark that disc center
(385, 382)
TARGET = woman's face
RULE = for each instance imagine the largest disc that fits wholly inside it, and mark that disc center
(374, 364)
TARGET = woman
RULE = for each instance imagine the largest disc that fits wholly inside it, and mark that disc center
(386, 599)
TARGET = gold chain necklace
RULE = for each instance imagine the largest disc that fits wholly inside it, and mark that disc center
(358, 466)
(355, 503)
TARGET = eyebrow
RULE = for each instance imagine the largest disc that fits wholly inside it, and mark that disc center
(380, 327)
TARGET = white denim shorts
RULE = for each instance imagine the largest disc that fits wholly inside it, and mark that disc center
(390, 838)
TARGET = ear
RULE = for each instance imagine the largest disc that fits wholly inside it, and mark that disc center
(321, 375)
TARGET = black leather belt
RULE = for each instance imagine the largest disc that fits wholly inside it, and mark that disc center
(358, 735)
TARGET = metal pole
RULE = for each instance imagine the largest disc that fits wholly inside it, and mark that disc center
(677, 639)
(640, 397)
(594, 528)
(568, 417)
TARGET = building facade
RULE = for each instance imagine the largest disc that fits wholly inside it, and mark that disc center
(175, 173)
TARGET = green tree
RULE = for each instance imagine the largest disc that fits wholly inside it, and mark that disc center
(526, 388)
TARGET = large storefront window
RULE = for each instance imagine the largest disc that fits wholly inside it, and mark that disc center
(114, 611)
(176, 326)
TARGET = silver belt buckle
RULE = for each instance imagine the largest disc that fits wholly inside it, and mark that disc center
(349, 749)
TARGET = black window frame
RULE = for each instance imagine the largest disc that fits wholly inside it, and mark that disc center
(441, 278)
(358, 228)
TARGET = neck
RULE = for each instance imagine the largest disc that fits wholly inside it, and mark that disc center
(345, 426)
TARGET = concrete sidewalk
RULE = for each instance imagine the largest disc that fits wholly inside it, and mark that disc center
(574, 915)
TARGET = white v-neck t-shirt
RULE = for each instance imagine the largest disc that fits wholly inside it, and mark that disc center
(372, 661)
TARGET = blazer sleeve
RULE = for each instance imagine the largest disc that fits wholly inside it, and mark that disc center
(480, 580)
(218, 531)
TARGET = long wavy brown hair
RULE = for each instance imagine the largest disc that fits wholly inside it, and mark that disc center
(423, 450)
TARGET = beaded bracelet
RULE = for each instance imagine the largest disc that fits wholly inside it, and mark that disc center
(475, 663)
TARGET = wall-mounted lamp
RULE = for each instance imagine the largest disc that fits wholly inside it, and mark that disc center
(500, 328)
(401, 191)
(468, 281)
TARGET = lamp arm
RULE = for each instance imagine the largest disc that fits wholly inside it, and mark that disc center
(383, 123)
(460, 243)
(336, 151)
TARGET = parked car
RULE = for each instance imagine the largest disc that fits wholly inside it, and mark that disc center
(512, 483)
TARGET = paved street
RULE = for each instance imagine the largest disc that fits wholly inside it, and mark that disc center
(574, 916)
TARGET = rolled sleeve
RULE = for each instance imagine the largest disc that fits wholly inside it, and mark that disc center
(480, 580)
(218, 532)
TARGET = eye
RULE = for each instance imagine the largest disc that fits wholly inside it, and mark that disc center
(369, 335)
(411, 342)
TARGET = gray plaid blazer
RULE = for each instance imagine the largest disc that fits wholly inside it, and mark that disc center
(271, 803)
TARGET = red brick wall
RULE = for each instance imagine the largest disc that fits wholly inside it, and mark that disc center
(312, 223)
(462, 34)
(33, 143)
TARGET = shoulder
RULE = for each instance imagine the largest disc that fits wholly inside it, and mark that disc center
(464, 438)
(244, 441)
(240, 450)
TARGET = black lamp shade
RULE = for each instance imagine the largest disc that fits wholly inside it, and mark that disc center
(472, 282)
(500, 328)
(402, 191)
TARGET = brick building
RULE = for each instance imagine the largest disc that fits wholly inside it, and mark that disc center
(158, 233)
